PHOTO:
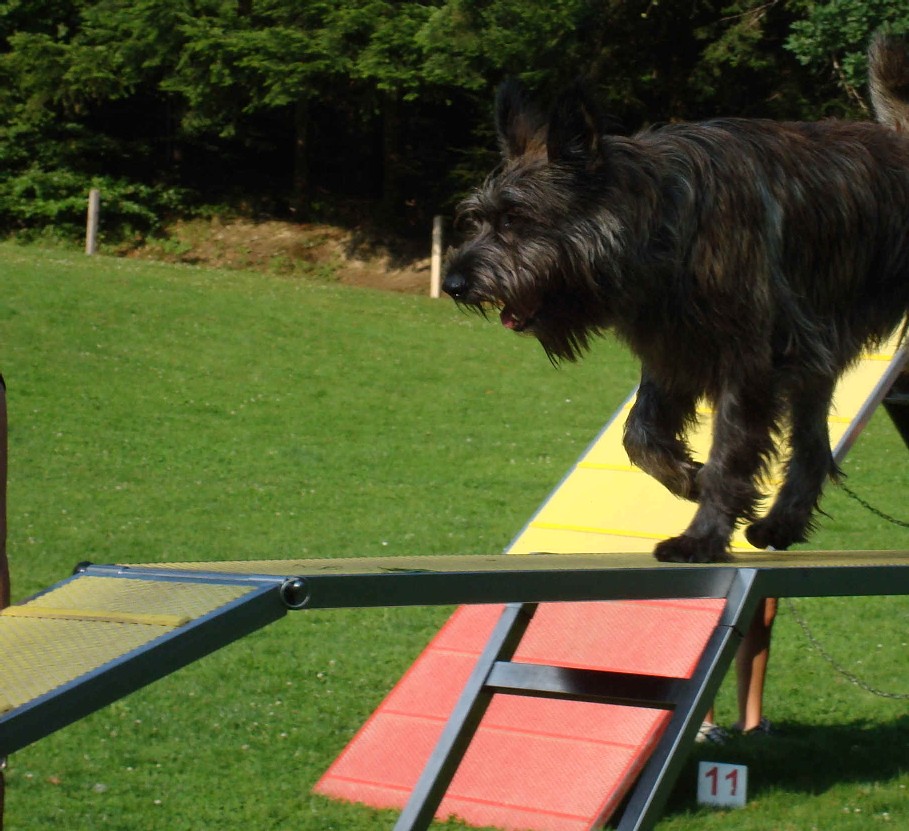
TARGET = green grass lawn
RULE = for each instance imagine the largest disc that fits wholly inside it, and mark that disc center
(162, 413)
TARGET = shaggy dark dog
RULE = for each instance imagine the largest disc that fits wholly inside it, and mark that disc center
(747, 262)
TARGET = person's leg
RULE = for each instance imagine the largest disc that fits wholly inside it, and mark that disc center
(751, 661)
(751, 665)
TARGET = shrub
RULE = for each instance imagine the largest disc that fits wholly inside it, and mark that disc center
(39, 201)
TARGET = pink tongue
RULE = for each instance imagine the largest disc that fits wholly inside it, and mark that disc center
(509, 321)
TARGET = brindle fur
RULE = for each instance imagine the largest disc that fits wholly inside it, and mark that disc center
(747, 262)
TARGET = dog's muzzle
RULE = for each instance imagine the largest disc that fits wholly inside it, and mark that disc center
(455, 285)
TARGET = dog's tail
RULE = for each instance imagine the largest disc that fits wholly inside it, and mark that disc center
(888, 80)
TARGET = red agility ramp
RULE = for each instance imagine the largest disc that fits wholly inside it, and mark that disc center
(534, 763)
(541, 764)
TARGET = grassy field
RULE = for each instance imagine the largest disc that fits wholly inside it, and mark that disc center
(162, 413)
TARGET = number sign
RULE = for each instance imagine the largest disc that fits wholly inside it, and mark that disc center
(723, 785)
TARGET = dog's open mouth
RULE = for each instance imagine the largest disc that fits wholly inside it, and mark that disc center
(513, 321)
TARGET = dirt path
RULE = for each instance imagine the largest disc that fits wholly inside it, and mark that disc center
(322, 252)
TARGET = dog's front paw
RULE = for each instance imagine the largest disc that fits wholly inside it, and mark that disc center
(773, 533)
(685, 549)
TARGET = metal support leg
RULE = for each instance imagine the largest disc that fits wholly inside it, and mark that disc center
(897, 405)
(464, 720)
(660, 772)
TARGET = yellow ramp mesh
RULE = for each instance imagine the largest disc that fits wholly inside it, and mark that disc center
(90, 621)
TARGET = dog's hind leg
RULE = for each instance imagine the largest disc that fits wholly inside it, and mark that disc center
(809, 466)
(744, 421)
(654, 436)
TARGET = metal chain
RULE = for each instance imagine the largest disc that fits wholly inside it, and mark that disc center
(869, 507)
(849, 676)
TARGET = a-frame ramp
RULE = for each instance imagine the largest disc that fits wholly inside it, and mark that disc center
(539, 764)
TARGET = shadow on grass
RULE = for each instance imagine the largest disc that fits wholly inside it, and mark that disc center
(807, 759)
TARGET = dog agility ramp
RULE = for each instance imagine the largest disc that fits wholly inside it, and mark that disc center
(98, 636)
(557, 765)
(110, 630)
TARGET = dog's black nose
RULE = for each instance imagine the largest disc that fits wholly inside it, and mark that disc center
(455, 284)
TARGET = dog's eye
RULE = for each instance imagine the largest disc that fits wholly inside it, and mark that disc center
(506, 222)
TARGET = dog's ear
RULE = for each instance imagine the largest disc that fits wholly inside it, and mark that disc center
(520, 125)
(576, 128)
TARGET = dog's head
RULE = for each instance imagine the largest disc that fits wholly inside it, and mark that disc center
(537, 231)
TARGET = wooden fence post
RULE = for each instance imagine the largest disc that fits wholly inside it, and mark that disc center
(435, 266)
(91, 228)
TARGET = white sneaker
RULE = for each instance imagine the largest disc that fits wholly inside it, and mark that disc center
(712, 733)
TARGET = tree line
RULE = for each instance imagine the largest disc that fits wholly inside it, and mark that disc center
(376, 109)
